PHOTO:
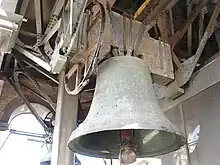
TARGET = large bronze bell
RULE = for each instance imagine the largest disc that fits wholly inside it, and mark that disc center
(125, 109)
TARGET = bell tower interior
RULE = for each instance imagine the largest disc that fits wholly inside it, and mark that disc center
(129, 82)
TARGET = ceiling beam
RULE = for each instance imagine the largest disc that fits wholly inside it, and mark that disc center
(174, 39)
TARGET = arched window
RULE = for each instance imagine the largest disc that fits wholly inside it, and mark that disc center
(24, 143)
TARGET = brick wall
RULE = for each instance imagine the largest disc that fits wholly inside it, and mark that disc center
(9, 97)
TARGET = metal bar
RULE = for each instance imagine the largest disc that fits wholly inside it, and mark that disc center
(36, 140)
(189, 32)
(71, 17)
(124, 34)
(66, 118)
(185, 132)
(38, 16)
(176, 60)
(29, 34)
(51, 33)
(201, 80)
(4, 142)
(32, 57)
(54, 14)
(76, 29)
(171, 21)
(85, 32)
(111, 162)
(82, 30)
(201, 25)
(30, 134)
(174, 39)
(42, 71)
(130, 39)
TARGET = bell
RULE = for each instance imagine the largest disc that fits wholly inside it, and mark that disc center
(125, 119)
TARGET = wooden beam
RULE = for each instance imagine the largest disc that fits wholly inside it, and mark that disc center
(174, 39)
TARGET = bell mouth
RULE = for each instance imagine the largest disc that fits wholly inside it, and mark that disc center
(106, 144)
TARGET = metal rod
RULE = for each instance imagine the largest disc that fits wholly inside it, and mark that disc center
(71, 17)
(185, 132)
(130, 33)
(24, 133)
(38, 16)
(82, 30)
(201, 25)
(124, 29)
(171, 21)
(5, 141)
(189, 32)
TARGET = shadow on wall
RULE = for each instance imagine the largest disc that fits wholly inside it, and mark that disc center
(202, 121)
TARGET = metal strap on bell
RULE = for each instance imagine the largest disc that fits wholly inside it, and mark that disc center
(125, 110)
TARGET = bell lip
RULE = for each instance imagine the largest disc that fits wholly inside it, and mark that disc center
(75, 134)
(180, 136)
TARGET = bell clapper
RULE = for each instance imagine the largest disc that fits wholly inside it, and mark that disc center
(127, 150)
